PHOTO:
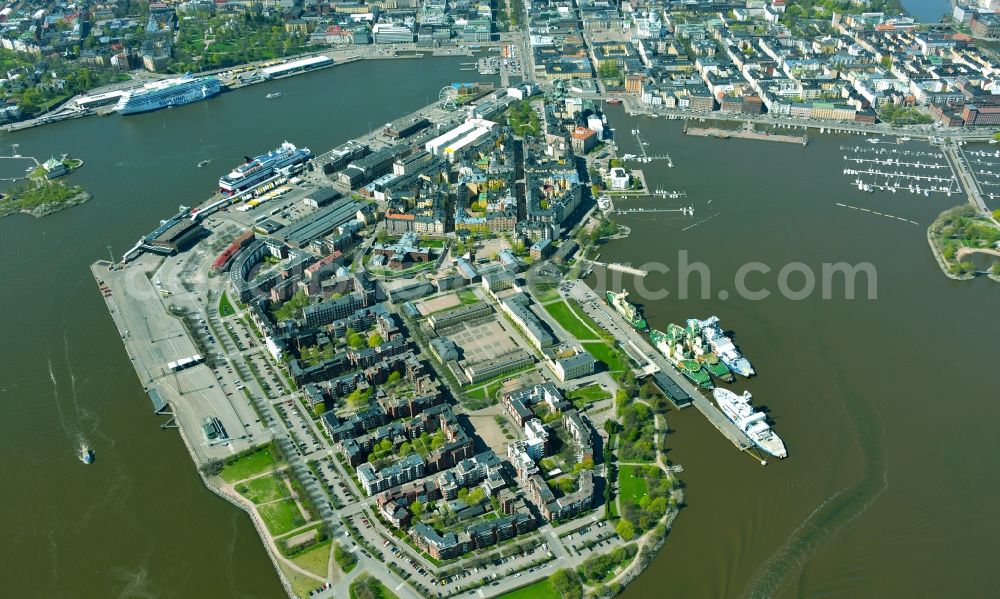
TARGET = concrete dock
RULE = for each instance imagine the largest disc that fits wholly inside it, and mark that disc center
(745, 132)
(153, 338)
(611, 321)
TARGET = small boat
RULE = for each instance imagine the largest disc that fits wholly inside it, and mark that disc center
(273, 95)
(86, 454)
(203, 163)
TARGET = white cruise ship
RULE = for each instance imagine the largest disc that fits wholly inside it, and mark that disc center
(256, 170)
(737, 408)
(168, 92)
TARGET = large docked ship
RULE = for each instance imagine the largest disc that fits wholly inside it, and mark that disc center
(628, 310)
(673, 346)
(256, 170)
(737, 408)
(723, 346)
(168, 92)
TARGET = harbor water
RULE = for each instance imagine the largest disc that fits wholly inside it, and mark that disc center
(138, 522)
(886, 405)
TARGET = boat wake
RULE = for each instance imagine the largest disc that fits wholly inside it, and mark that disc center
(70, 433)
(72, 423)
(835, 512)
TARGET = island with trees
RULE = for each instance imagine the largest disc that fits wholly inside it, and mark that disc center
(960, 232)
(41, 197)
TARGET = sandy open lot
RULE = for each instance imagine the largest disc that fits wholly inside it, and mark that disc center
(430, 306)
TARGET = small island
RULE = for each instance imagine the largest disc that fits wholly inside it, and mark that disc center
(960, 232)
(55, 167)
(41, 197)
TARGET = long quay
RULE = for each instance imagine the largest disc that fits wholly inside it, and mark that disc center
(612, 322)
(745, 133)
(625, 268)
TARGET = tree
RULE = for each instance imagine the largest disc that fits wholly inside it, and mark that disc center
(567, 584)
(354, 339)
(359, 397)
(417, 509)
(475, 496)
(394, 377)
(319, 409)
(375, 340)
(609, 70)
(625, 529)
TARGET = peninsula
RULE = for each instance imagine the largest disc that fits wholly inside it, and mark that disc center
(385, 353)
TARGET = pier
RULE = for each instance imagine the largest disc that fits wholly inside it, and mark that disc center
(966, 178)
(746, 132)
(688, 211)
(610, 321)
(616, 266)
(646, 157)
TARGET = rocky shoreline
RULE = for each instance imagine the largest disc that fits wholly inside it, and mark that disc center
(81, 197)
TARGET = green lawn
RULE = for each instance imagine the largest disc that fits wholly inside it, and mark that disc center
(248, 465)
(366, 586)
(542, 589)
(487, 392)
(575, 307)
(587, 395)
(607, 354)
(468, 296)
(631, 484)
(281, 516)
(263, 489)
(301, 584)
(316, 559)
(225, 308)
(565, 316)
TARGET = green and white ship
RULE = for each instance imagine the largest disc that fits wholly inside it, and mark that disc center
(673, 345)
(695, 343)
(627, 309)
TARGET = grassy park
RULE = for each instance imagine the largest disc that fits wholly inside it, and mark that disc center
(542, 589)
(249, 465)
(631, 484)
(571, 321)
(604, 352)
(281, 516)
(366, 587)
(316, 559)
(587, 395)
(263, 489)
